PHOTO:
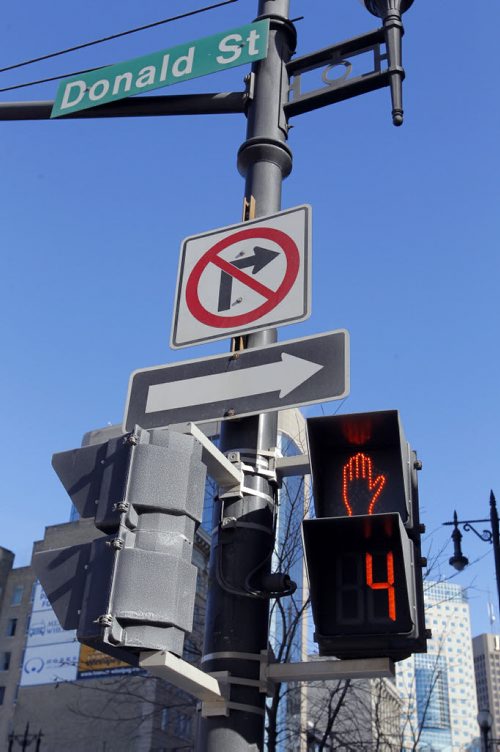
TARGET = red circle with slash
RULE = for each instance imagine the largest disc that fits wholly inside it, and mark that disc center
(273, 297)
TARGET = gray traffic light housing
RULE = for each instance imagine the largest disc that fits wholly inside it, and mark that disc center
(131, 587)
(363, 550)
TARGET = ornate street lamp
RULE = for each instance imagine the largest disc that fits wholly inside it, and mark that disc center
(390, 11)
(458, 560)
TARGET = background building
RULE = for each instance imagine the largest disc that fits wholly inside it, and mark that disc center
(486, 650)
(16, 587)
(361, 714)
(438, 688)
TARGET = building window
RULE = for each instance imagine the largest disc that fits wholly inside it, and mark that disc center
(2, 694)
(431, 679)
(183, 726)
(17, 595)
(4, 661)
(164, 719)
(11, 627)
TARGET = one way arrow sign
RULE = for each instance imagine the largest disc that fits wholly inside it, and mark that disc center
(274, 377)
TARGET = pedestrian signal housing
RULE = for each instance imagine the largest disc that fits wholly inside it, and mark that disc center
(363, 549)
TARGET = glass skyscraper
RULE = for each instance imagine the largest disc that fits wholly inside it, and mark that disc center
(438, 688)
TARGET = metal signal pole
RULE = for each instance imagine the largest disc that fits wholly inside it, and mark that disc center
(237, 623)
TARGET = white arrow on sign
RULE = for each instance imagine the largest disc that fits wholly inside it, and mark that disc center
(285, 375)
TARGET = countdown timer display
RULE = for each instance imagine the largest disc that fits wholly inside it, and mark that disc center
(364, 561)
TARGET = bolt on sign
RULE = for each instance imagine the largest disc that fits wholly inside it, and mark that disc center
(228, 49)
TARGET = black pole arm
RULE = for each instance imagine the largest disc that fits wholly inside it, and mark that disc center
(223, 103)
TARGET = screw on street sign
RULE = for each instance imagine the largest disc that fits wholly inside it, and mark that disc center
(228, 49)
(262, 379)
(243, 278)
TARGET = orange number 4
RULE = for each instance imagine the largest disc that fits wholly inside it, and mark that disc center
(388, 585)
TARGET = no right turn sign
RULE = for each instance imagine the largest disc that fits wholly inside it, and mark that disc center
(243, 278)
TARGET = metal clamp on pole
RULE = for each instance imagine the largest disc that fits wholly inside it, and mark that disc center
(210, 708)
(260, 467)
(255, 463)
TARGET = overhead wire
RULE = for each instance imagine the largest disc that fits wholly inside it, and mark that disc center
(100, 41)
(51, 78)
(116, 36)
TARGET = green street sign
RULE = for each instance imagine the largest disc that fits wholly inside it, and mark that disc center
(192, 60)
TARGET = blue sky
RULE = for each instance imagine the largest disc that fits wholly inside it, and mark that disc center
(405, 245)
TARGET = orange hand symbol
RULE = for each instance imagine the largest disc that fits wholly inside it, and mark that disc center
(360, 468)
